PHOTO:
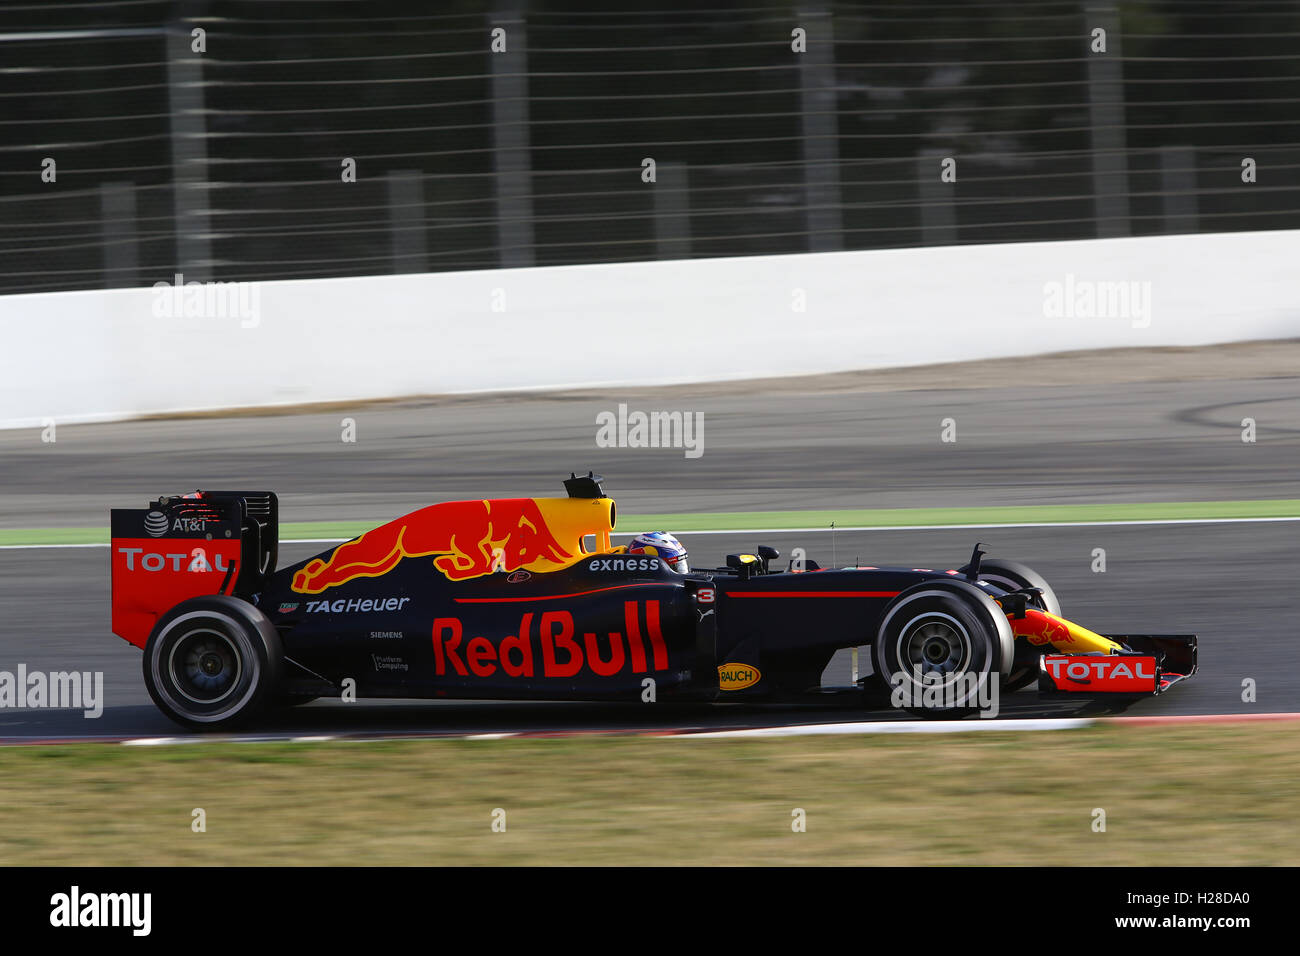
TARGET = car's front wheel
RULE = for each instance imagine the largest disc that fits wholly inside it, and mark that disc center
(212, 662)
(939, 651)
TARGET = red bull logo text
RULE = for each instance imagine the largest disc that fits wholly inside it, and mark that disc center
(468, 539)
(546, 645)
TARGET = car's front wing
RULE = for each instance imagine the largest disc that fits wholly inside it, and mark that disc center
(1148, 664)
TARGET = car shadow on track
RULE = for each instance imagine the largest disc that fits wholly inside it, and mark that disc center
(405, 717)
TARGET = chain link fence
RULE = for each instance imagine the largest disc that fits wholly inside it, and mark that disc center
(242, 140)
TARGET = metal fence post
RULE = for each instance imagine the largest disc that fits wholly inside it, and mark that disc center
(938, 214)
(406, 221)
(1106, 118)
(1178, 184)
(672, 219)
(189, 155)
(510, 140)
(820, 131)
(119, 235)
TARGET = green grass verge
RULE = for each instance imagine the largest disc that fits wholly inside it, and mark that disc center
(743, 520)
(1204, 795)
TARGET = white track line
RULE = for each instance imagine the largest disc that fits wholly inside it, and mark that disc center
(1006, 524)
(902, 727)
(152, 741)
(864, 727)
(823, 530)
(888, 727)
(41, 547)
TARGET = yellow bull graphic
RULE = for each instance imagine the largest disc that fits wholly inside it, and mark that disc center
(1040, 627)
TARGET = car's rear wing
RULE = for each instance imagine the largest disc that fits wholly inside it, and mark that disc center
(209, 542)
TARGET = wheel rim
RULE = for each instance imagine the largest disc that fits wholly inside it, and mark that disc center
(205, 666)
(935, 645)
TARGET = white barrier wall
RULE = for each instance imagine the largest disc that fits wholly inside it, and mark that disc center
(87, 356)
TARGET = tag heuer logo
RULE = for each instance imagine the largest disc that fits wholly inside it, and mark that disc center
(155, 522)
(288, 606)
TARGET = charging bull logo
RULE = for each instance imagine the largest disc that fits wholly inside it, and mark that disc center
(1040, 628)
(469, 539)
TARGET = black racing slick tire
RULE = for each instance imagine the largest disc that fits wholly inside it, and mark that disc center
(941, 648)
(1012, 576)
(213, 663)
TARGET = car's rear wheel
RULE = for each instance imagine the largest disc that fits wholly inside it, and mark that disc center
(212, 662)
(939, 651)
(1012, 576)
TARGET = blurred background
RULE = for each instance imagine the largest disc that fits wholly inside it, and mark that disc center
(226, 164)
(145, 139)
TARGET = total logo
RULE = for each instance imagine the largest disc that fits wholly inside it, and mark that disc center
(157, 524)
(152, 561)
(1085, 670)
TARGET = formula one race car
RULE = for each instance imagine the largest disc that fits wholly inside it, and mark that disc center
(526, 598)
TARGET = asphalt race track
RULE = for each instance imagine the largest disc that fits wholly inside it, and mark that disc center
(1234, 584)
(1016, 445)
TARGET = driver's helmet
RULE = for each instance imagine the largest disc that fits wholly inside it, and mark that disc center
(663, 544)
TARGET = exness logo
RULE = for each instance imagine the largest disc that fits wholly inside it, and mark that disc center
(75, 909)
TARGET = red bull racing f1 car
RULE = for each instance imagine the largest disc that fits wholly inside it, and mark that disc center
(527, 598)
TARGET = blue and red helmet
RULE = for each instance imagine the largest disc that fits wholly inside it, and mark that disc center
(664, 545)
